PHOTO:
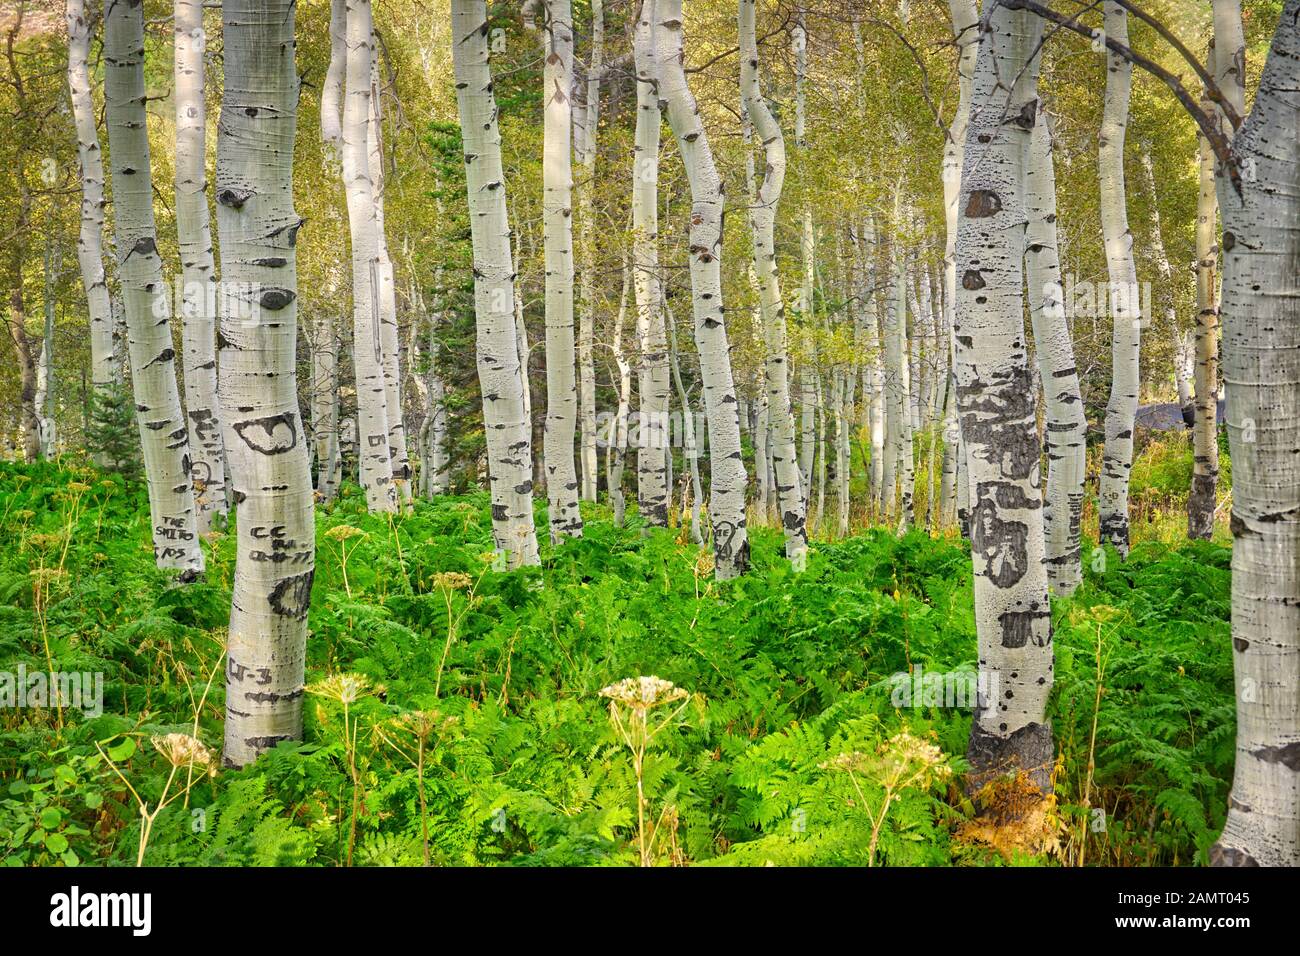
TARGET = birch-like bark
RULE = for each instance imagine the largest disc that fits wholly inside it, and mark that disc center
(1121, 410)
(325, 407)
(727, 479)
(1229, 71)
(1010, 731)
(875, 384)
(198, 270)
(652, 339)
(270, 471)
(906, 435)
(386, 285)
(331, 93)
(1261, 365)
(45, 383)
(557, 218)
(585, 148)
(1066, 426)
(1166, 275)
(375, 462)
(163, 435)
(1205, 374)
(104, 370)
(690, 445)
(619, 430)
(509, 439)
(762, 223)
(965, 31)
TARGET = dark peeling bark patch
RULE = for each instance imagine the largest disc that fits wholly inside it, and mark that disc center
(274, 299)
(971, 280)
(270, 435)
(1288, 755)
(982, 204)
(1002, 545)
(991, 755)
(1018, 629)
(1240, 644)
(234, 198)
(1229, 241)
(292, 596)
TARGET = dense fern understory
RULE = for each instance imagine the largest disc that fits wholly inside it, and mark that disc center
(423, 657)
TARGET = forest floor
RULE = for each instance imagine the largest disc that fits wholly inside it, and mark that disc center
(454, 714)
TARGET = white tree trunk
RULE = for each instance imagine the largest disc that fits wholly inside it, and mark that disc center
(331, 94)
(270, 471)
(557, 216)
(163, 434)
(389, 333)
(652, 339)
(762, 222)
(1066, 426)
(325, 406)
(586, 122)
(1013, 619)
(1261, 364)
(509, 438)
(1121, 410)
(373, 430)
(727, 479)
(104, 369)
(198, 270)
(618, 433)
(1229, 73)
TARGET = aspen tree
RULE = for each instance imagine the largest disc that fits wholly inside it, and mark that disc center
(104, 371)
(198, 297)
(728, 480)
(557, 175)
(257, 226)
(652, 338)
(762, 223)
(1261, 365)
(509, 439)
(1121, 410)
(373, 431)
(1066, 426)
(997, 406)
(163, 434)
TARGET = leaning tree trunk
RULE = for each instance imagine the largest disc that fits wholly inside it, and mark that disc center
(1261, 364)
(1121, 410)
(270, 469)
(1013, 619)
(727, 479)
(652, 338)
(509, 438)
(762, 222)
(198, 270)
(104, 371)
(149, 340)
(373, 432)
(557, 207)
(1066, 426)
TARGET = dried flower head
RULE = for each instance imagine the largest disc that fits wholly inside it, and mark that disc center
(644, 693)
(341, 532)
(452, 581)
(182, 750)
(345, 688)
(45, 541)
(79, 487)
